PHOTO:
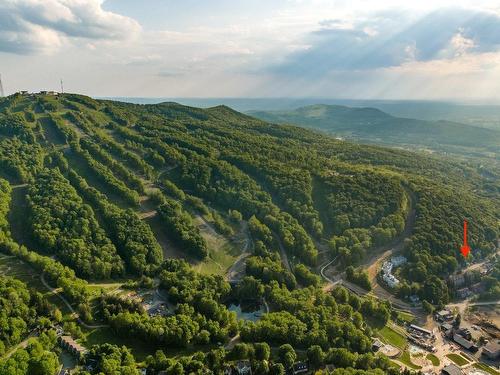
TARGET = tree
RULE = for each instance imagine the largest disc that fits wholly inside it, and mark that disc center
(315, 356)
(262, 351)
(287, 355)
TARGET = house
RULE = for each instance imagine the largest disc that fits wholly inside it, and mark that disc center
(398, 261)
(390, 279)
(243, 368)
(377, 345)
(300, 368)
(465, 333)
(451, 370)
(68, 343)
(421, 330)
(443, 316)
(492, 349)
(463, 342)
(414, 298)
(446, 327)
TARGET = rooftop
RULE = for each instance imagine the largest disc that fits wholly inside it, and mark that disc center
(452, 370)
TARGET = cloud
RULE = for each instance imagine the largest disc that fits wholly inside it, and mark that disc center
(33, 26)
(392, 39)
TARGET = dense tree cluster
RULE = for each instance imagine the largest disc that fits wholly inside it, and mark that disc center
(111, 359)
(106, 176)
(38, 357)
(133, 238)
(307, 317)
(20, 156)
(358, 277)
(269, 268)
(293, 186)
(432, 251)
(16, 314)
(199, 317)
(62, 224)
(118, 169)
(179, 225)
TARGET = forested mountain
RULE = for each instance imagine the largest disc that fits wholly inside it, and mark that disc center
(96, 190)
(372, 124)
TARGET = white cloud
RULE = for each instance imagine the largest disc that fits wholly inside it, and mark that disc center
(32, 26)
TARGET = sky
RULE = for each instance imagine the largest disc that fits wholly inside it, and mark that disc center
(359, 49)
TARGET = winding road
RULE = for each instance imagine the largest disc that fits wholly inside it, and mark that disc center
(372, 264)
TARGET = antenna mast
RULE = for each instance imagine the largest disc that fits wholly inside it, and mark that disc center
(62, 87)
(2, 94)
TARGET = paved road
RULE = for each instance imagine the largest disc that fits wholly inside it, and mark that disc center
(378, 254)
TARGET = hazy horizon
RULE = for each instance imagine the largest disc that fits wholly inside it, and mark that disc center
(428, 50)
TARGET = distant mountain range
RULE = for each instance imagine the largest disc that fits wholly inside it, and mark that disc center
(374, 125)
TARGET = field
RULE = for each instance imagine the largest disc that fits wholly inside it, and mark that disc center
(406, 359)
(406, 317)
(435, 360)
(458, 359)
(486, 368)
(223, 252)
(11, 266)
(390, 336)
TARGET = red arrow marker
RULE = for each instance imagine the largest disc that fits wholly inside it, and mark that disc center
(465, 249)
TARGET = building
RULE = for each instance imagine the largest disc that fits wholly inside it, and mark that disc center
(244, 368)
(68, 343)
(451, 370)
(300, 368)
(390, 279)
(492, 349)
(465, 333)
(398, 261)
(446, 327)
(464, 343)
(444, 316)
(421, 330)
(377, 345)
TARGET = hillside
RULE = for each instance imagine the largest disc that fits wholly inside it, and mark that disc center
(168, 200)
(374, 125)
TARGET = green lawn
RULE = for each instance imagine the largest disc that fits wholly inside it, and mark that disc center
(458, 359)
(222, 252)
(406, 317)
(392, 337)
(435, 360)
(406, 359)
(486, 368)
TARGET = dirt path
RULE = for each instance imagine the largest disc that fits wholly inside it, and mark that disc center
(237, 271)
(68, 305)
(284, 257)
(23, 344)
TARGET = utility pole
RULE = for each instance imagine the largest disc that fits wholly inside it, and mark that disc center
(62, 87)
(2, 94)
